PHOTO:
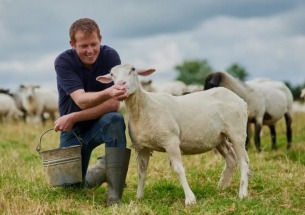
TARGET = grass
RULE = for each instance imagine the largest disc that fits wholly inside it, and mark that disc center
(277, 186)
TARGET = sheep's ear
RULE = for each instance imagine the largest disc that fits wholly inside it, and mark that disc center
(104, 79)
(145, 72)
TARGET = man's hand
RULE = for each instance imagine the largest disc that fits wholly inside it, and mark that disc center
(64, 123)
(118, 92)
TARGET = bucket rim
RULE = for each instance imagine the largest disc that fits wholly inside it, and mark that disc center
(63, 148)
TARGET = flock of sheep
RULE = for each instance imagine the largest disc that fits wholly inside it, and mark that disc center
(181, 119)
(30, 103)
(217, 118)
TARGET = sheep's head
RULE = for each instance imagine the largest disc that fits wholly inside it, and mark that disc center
(125, 74)
(212, 80)
(29, 90)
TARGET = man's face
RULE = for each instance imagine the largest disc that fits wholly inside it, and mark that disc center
(87, 47)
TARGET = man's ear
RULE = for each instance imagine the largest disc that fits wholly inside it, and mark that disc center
(72, 45)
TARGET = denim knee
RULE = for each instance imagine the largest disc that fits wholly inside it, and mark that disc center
(114, 130)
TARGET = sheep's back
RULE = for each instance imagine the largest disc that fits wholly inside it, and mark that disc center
(201, 117)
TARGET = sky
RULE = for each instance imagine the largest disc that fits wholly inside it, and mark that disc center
(266, 37)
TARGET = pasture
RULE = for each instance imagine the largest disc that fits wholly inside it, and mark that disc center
(277, 186)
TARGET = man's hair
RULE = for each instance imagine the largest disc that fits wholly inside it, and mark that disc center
(85, 25)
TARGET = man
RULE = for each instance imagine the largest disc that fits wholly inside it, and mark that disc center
(89, 109)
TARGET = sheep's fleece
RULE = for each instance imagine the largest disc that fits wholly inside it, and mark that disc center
(190, 124)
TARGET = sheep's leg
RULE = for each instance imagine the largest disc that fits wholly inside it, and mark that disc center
(273, 136)
(43, 119)
(258, 127)
(248, 138)
(229, 155)
(175, 158)
(143, 156)
(288, 119)
(245, 171)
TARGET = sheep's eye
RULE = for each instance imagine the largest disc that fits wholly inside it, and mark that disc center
(133, 69)
(111, 74)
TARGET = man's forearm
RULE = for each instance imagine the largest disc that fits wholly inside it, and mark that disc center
(108, 106)
(90, 99)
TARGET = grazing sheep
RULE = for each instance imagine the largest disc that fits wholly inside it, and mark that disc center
(298, 107)
(17, 98)
(190, 124)
(38, 102)
(8, 108)
(268, 101)
(5, 91)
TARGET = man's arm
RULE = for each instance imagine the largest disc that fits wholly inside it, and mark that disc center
(87, 100)
(66, 122)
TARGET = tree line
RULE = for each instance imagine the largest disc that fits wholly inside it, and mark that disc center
(196, 71)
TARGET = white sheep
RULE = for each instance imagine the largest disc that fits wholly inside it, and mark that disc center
(192, 88)
(8, 108)
(38, 102)
(176, 88)
(147, 85)
(303, 94)
(190, 124)
(268, 101)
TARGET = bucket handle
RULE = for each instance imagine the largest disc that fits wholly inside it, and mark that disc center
(39, 146)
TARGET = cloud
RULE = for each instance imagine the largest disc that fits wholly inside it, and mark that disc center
(265, 46)
(266, 37)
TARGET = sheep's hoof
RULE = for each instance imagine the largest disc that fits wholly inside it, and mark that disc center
(139, 196)
(288, 146)
(242, 195)
(190, 201)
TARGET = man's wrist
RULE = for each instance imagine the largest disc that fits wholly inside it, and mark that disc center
(73, 117)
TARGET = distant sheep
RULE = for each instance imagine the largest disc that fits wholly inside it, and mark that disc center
(175, 88)
(303, 94)
(18, 102)
(192, 88)
(38, 102)
(268, 101)
(147, 85)
(8, 108)
(190, 124)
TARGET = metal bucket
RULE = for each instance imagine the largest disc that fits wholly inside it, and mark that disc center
(63, 166)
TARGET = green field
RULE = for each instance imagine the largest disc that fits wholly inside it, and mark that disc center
(277, 186)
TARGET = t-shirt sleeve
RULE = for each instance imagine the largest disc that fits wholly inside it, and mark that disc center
(67, 77)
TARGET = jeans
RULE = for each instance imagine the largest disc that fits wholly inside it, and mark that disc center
(108, 129)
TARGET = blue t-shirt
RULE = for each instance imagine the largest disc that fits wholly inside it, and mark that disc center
(73, 75)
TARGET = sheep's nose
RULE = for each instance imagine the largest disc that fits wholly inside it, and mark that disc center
(121, 83)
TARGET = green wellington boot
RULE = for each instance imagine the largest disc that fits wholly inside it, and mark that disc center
(96, 175)
(117, 161)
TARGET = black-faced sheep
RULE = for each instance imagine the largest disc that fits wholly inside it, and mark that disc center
(268, 101)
